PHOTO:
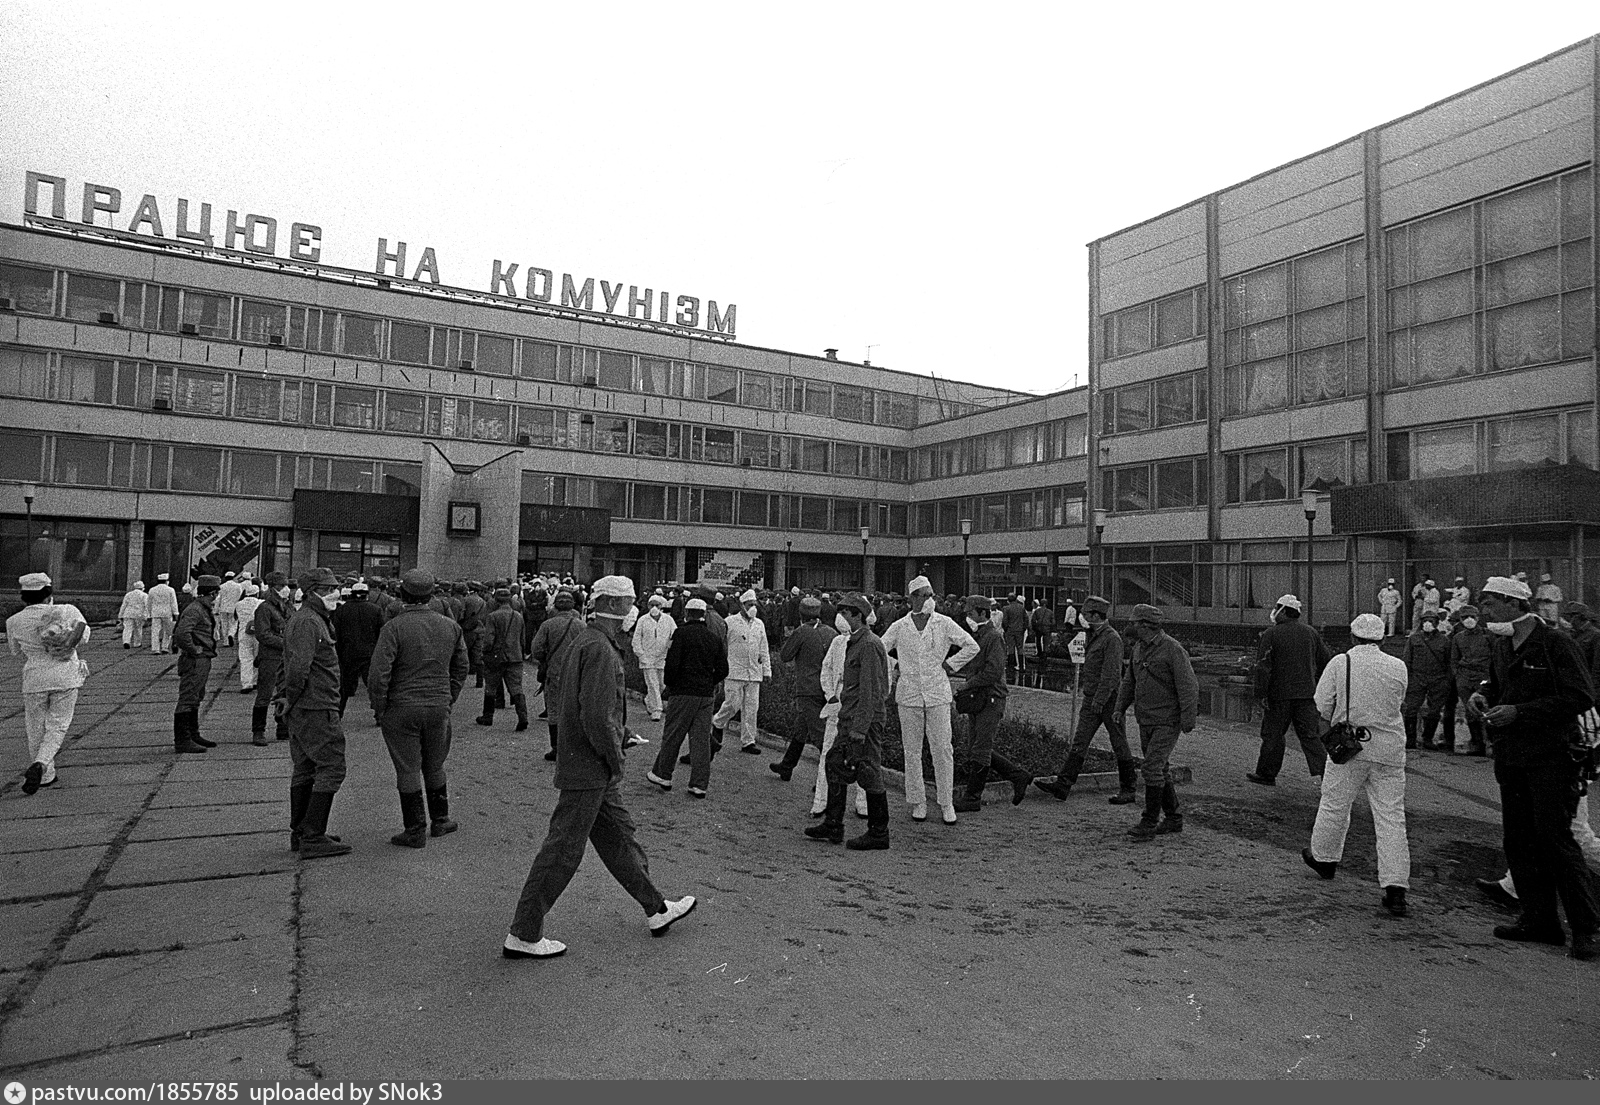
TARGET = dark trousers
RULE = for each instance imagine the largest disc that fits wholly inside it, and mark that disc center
(1089, 722)
(352, 673)
(267, 665)
(809, 724)
(1426, 697)
(1275, 722)
(1157, 742)
(193, 671)
(1537, 805)
(981, 755)
(502, 682)
(316, 749)
(855, 761)
(584, 817)
(687, 716)
(419, 740)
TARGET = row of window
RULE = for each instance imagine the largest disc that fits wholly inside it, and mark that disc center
(1036, 508)
(1494, 445)
(142, 385)
(1167, 321)
(1153, 404)
(1036, 444)
(1160, 485)
(1283, 471)
(175, 310)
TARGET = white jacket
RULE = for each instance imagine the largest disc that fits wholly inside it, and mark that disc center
(749, 659)
(652, 637)
(41, 671)
(228, 596)
(1377, 687)
(833, 674)
(163, 601)
(924, 678)
(135, 605)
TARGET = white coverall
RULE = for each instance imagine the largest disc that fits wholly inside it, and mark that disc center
(226, 608)
(135, 611)
(652, 637)
(163, 613)
(245, 618)
(923, 698)
(749, 662)
(49, 686)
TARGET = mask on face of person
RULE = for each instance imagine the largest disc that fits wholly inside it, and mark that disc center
(1469, 623)
(928, 605)
(284, 592)
(1429, 627)
(1501, 629)
(976, 623)
(332, 601)
(630, 619)
(842, 624)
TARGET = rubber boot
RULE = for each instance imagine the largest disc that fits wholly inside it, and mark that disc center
(258, 726)
(281, 724)
(439, 812)
(784, 768)
(831, 827)
(551, 755)
(1430, 726)
(1476, 744)
(315, 843)
(299, 799)
(876, 838)
(180, 734)
(1411, 730)
(971, 800)
(520, 702)
(414, 816)
(487, 717)
(1018, 778)
(1127, 777)
(479, 675)
(194, 729)
(1146, 828)
(1173, 821)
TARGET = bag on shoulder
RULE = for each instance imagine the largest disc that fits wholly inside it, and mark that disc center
(1343, 741)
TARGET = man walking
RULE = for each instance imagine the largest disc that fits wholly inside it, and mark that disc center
(857, 754)
(749, 665)
(695, 663)
(502, 661)
(227, 603)
(356, 625)
(1042, 624)
(986, 672)
(310, 678)
(1100, 678)
(195, 637)
(47, 635)
(1014, 623)
(549, 653)
(163, 613)
(133, 614)
(1548, 599)
(1389, 607)
(418, 667)
(1290, 657)
(921, 642)
(271, 621)
(245, 618)
(1165, 696)
(652, 636)
(588, 768)
(803, 651)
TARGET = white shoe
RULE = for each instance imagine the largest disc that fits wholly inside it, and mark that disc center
(633, 739)
(919, 813)
(655, 717)
(660, 922)
(544, 948)
(949, 814)
(664, 784)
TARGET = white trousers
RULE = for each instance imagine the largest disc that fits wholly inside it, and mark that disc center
(819, 795)
(1583, 833)
(226, 620)
(652, 690)
(930, 723)
(742, 697)
(248, 647)
(160, 633)
(48, 716)
(1391, 619)
(133, 632)
(1385, 785)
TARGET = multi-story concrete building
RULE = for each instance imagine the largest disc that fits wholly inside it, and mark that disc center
(1400, 327)
(170, 403)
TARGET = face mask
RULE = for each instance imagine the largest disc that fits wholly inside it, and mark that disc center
(630, 619)
(750, 611)
(928, 605)
(872, 619)
(975, 623)
(1501, 629)
(842, 624)
(1430, 628)
(1469, 623)
(333, 601)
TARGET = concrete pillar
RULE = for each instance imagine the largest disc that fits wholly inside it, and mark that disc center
(679, 563)
(135, 554)
(303, 552)
(496, 489)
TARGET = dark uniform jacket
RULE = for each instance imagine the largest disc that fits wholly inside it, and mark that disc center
(1160, 685)
(195, 632)
(272, 618)
(593, 710)
(502, 637)
(866, 685)
(1427, 657)
(1588, 642)
(1102, 668)
(988, 668)
(356, 624)
(1014, 619)
(1469, 655)
(310, 673)
(420, 660)
(1547, 682)
(805, 649)
(696, 662)
(1290, 656)
(549, 650)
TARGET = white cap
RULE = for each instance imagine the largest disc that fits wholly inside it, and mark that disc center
(719, 596)
(748, 596)
(695, 604)
(1389, 580)
(1290, 601)
(1545, 578)
(162, 577)
(1368, 627)
(138, 585)
(229, 575)
(794, 590)
(617, 587)
(657, 600)
(919, 584)
(1508, 587)
(33, 581)
(246, 575)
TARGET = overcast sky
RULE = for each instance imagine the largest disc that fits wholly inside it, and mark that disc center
(919, 179)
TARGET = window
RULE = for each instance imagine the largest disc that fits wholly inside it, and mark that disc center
(1514, 443)
(721, 385)
(813, 455)
(895, 409)
(1452, 451)
(21, 455)
(1169, 402)
(718, 446)
(363, 336)
(31, 291)
(813, 514)
(1167, 485)
(1275, 475)
(811, 397)
(1169, 321)
(655, 376)
(196, 469)
(260, 322)
(87, 296)
(753, 508)
(494, 355)
(210, 315)
(355, 408)
(1129, 488)
(23, 373)
(543, 426)
(612, 495)
(846, 516)
(649, 439)
(755, 389)
(757, 450)
(616, 371)
(611, 435)
(492, 422)
(716, 506)
(407, 343)
(252, 473)
(650, 501)
(846, 459)
(352, 475)
(198, 392)
(852, 404)
(82, 461)
(402, 479)
(81, 380)
(1497, 284)
(1294, 332)
(403, 412)
(539, 361)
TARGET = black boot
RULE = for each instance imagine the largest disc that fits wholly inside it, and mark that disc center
(414, 816)
(520, 702)
(784, 768)
(258, 726)
(831, 827)
(1173, 821)
(1430, 726)
(439, 812)
(1018, 778)
(180, 734)
(299, 799)
(551, 755)
(1127, 777)
(1146, 828)
(479, 682)
(487, 717)
(1476, 744)
(315, 843)
(971, 800)
(1411, 730)
(194, 730)
(876, 838)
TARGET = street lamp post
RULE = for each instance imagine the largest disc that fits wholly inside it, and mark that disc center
(788, 563)
(1308, 501)
(28, 493)
(966, 564)
(1100, 551)
(865, 533)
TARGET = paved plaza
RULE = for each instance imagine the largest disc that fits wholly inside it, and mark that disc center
(157, 925)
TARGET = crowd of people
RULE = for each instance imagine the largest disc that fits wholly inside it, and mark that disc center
(1523, 678)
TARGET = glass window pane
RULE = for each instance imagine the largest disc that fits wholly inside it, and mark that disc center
(722, 385)
(355, 408)
(352, 475)
(252, 473)
(1132, 488)
(1529, 276)
(260, 321)
(1175, 319)
(1319, 279)
(1175, 484)
(198, 392)
(403, 412)
(1441, 244)
(1529, 333)
(1264, 475)
(610, 433)
(1442, 350)
(1524, 443)
(196, 469)
(1581, 439)
(363, 337)
(494, 355)
(755, 389)
(612, 495)
(21, 455)
(256, 397)
(1452, 451)
(846, 459)
(655, 376)
(407, 343)
(814, 513)
(1324, 466)
(818, 398)
(752, 508)
(1577, 324)
(717, 506)
(849, 403)
(719, 446)
(31, 291)
(1264, 295)
(82, 461)
(539, 361)
(1576, 213)
(1263, 386)
(210, 315)
(616, 371)
(1320, 374)
(1521, 221)
(1444, 297)
(650, 438)
(814, 455)
(1175, 401)
(87, 296)
(1129, 331)
(1269, 339)
(1133, 408)
(1319, 327)
(650, 501)
(23, 373)
(402, 479)
(82, 380)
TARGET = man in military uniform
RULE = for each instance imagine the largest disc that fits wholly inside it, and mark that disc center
(549, 652)
(418, 668)
(987, 670)
(803, 652)
(356, 625)
(195, 637)
(310, 691)
(1100, 678)
(271, 620)
(857, 753)
(502, 660)
(1165, 696)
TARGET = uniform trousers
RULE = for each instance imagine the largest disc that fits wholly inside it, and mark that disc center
(742, 697)
(652, 689)
(161, 633)
(1089, 722)
(193, 671)
(859, 761)
(502, 682)
(418, 738)
(316, 749)
(930, 724)
(352, 673)
(133, 632)
(1537, 804)
(249, 647)
(227, 622)
(1426, 697)
(1279, 714)
(47, 717)
(1391, 622)
(582, 817)
(267, 665)
(1157, 742)
(1583, 833)
(819, 794)
(688, 718)
(1385, 785)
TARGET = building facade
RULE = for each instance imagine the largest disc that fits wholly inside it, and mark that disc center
(1396, 333)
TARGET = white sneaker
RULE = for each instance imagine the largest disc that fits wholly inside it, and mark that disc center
(664, 784)
(544, 948)
(633, 739)
(660, 922)
(949, 814)
(919, 813)
(655, 717)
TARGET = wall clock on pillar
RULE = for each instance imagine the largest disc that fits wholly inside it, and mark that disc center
(463, 518)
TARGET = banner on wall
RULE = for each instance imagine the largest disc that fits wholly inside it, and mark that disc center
(218, 550)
